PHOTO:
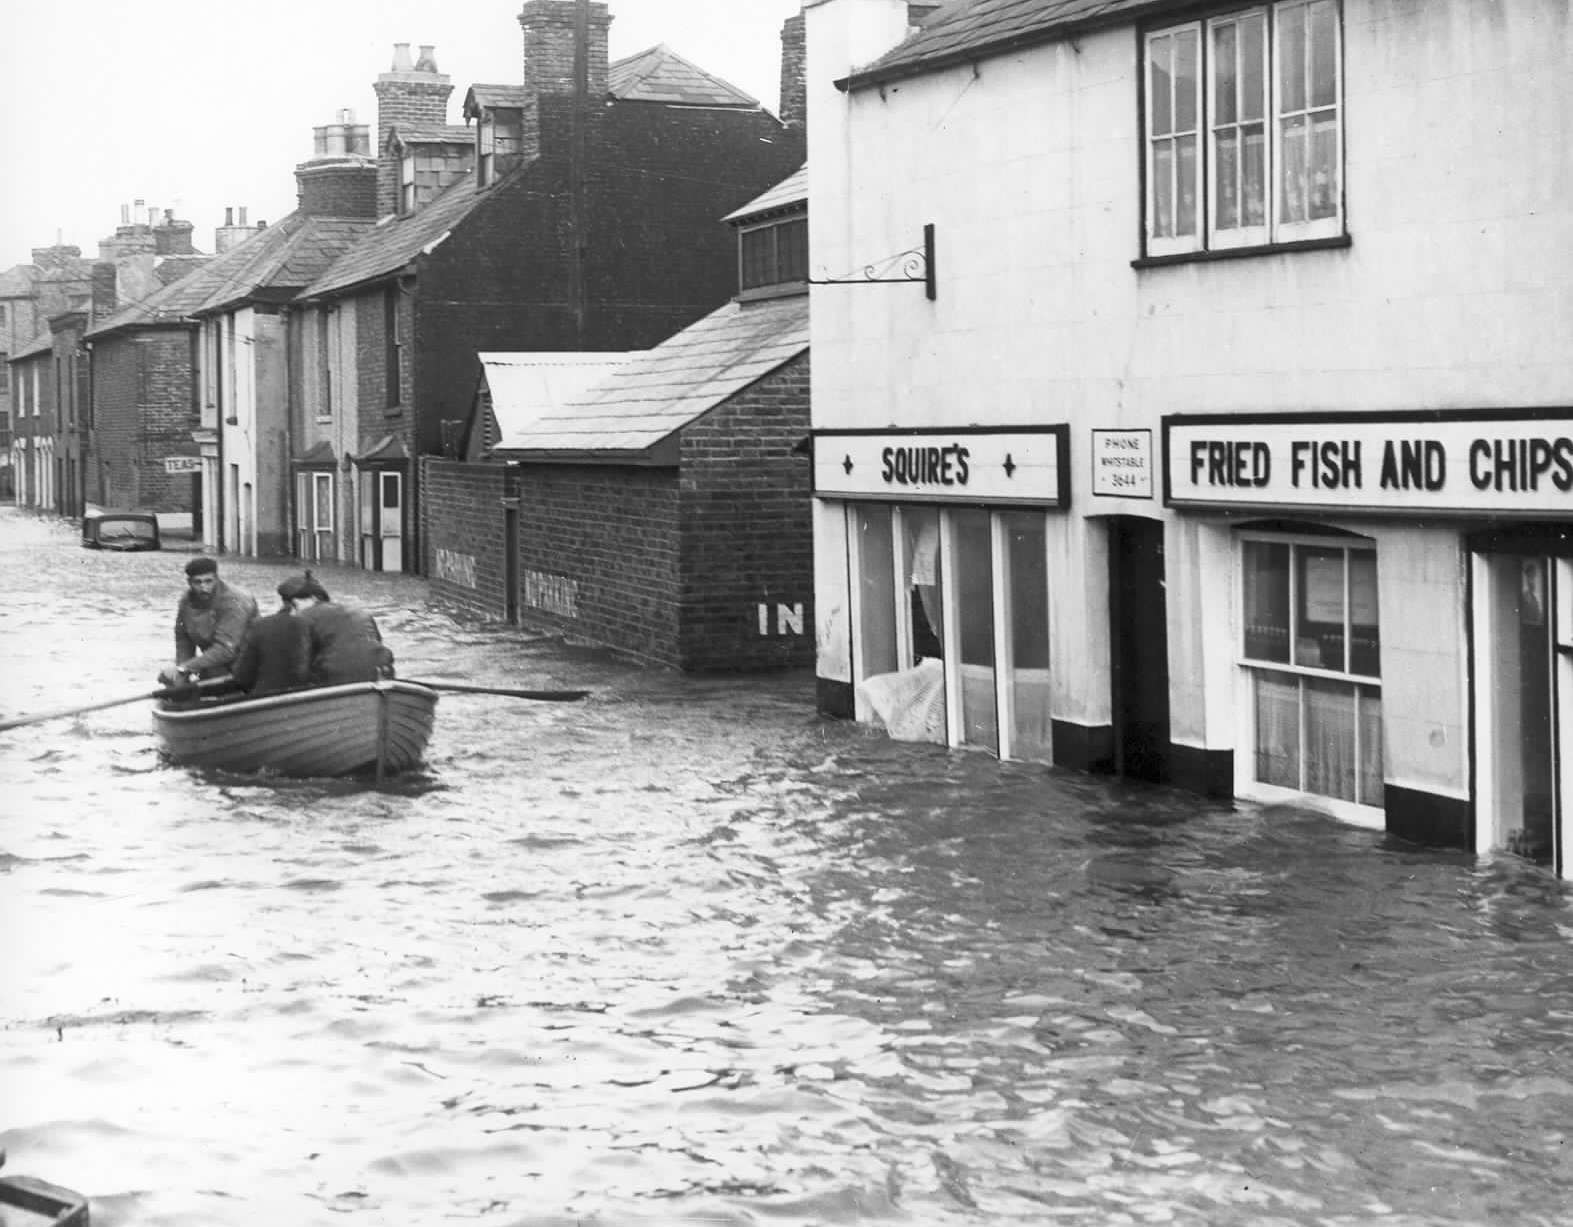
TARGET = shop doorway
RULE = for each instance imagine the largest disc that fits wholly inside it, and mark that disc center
(1139, 648)
(1523, 634)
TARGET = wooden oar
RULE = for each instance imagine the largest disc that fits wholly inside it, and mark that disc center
(547, 696)
(173, 692)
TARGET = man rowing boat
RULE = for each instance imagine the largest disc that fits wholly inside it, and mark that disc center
(210, 624)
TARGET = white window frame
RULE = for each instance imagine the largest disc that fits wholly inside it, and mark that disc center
(1371, 816)
(407, 183)
(486, 148)
(1275, 229)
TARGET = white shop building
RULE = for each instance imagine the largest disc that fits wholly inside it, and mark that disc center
(1185, 408)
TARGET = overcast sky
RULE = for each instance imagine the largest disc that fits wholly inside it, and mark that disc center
(195, 105)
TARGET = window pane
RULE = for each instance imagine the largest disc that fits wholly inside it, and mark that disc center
(1324, 46)
(876, 629)
(1163, 188)
(1372, 791)
(1026, 553)
(1225, 76)
(792, 251)
(1160, 86)
(1278, 730)
(1291, 58)
(1185, 185)
(1292, 153)
(758, 248)
(975, 600)
(1267, 601)
(1330, 766)
(923, 578)
(1226, 152)
(1323, 169)
(390, 490)
(1319, 634)
(1365, 635)
(1185, 81)
(1253, 176)
(1253, 92)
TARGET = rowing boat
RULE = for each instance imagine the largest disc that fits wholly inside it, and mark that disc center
(323, 731)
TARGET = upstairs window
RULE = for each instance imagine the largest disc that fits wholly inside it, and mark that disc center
(5, 375)
(393, 357)
(486, 149)
(774, 254)
(324, 363)
(407, 184)
(1244, 129)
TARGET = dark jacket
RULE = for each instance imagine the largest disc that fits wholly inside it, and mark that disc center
(206, 640)
(275, 656)
(346, 645)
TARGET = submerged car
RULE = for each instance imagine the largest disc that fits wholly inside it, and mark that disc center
(120, 530)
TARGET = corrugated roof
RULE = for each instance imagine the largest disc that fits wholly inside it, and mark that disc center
(526, 387)
(395, 241)
(661, 390)
(661, 75)
(970, 29)
(790, 191)
(489, 96)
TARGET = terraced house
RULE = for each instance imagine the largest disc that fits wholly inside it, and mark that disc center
(576, 220)
(1212, 422)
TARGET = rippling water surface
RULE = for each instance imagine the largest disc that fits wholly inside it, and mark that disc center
(687, 954)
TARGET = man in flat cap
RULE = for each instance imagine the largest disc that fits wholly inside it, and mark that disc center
(346, 645)
(210, 624)
(276, 655)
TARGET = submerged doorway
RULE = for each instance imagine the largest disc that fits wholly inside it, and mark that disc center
(1523, 633)
(1139, 648)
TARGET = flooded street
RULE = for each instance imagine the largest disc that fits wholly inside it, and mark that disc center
(686, 953)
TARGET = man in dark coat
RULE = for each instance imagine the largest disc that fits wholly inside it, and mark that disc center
(277, 652)
(346, 645)
(210, 623)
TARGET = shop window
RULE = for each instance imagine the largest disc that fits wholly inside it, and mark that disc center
(951, 637)
(1311, 649)
(1244, 128)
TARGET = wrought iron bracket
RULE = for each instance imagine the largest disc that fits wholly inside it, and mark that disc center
(916, 264)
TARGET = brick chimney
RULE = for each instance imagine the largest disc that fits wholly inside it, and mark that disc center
(59, 256)
(172, 237)
(406, 94)
(794, 72)
(105, 299)
(548, 27)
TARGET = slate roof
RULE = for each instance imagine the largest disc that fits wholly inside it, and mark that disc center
(494, 96)
(172, 268)
(288, 255)
(966, 30)
(659, 391)
(432, 134)
(528, 386)
(792, 190)
(395, 241)
(43, 343)
(173, 303)
(17, 281)
(661, 75)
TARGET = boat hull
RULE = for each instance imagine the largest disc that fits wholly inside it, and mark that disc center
(325, 731)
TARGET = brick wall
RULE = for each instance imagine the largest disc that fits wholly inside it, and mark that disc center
(462, 536)
(599, 555)
(144, 410)
(548, 29)
(338, 187)
(404, 98)
(747, 532)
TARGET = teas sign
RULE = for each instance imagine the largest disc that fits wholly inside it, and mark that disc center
(182, 464)
(1470, 464)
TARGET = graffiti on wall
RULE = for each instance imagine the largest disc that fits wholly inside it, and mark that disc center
(553, 594)
(455, 568)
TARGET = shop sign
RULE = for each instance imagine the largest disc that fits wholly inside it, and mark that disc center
(182, 464)
(1122, 463)
(970, 464)
(1465, 463)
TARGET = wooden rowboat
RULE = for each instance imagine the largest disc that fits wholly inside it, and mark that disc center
(377, 727)
(26, 1202)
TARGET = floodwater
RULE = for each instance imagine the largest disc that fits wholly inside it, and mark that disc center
(687, 954)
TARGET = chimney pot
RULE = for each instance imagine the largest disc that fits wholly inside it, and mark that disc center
(428, 60)
(229, 216)
(125, 215)
(242, 215)
(401, 57)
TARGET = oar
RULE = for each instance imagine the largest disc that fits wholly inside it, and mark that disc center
(173, 692)
(546, 696)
